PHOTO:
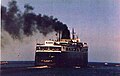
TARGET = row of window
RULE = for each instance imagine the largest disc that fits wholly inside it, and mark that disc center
(73, 49)
(49, 48)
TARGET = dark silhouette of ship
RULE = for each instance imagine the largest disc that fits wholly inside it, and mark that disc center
(62, 53)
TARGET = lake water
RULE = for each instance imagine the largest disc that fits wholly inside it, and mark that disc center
(27, 68)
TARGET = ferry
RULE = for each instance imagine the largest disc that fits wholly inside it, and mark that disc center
(62, 53)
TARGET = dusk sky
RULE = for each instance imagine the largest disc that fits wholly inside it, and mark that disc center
(96, 22)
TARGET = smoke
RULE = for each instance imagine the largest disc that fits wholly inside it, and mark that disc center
(27, 22)
(15, 49)
(20, 31)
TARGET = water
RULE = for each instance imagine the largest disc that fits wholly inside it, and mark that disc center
(27, 68)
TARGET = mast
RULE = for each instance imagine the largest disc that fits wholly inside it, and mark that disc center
(73, 33)
(59, 36)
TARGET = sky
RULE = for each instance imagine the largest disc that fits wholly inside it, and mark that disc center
(96, 22)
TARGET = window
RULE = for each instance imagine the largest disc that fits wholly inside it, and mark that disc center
(43, 48)
(55, 48)
(49, 42)
(37, 48)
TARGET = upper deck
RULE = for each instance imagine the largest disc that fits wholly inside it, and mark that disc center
(62, 45)
(73, 44)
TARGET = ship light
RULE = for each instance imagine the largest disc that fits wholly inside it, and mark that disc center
(106, 64)
(46, 61)
(52, 56)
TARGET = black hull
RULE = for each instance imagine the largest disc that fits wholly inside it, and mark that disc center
(61, 59)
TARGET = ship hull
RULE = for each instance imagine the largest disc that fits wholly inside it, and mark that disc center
(62, 59)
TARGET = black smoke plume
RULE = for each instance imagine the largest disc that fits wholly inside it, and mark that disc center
(16, 22)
